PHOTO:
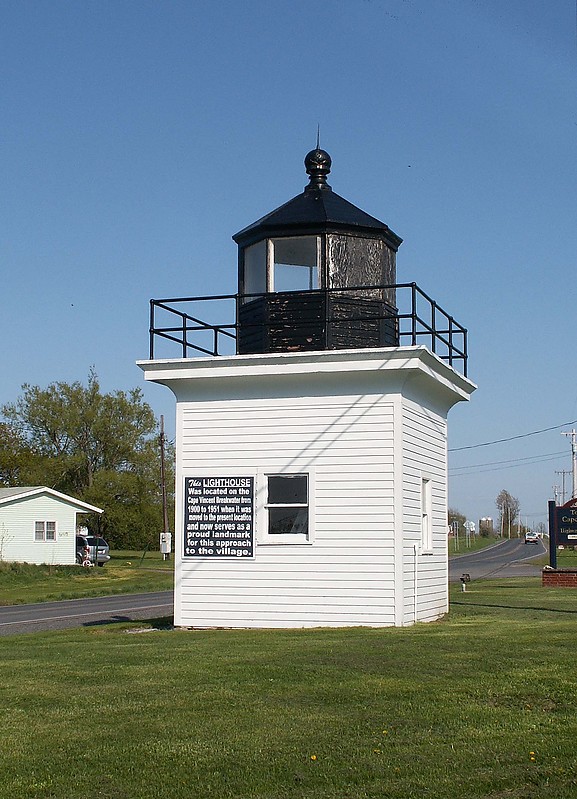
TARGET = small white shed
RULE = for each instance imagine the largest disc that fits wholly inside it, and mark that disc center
(38, 525)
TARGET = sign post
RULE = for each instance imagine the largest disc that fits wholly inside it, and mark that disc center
(470, 528)
(552, 534)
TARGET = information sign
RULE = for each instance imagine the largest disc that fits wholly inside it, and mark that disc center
(218, 517)
(566, 523)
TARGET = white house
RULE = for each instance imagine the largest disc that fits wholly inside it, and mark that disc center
(38, 525)
(311, 473)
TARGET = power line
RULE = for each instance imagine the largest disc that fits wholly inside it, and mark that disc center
(498, 468)
(535, 458)
(513, 438)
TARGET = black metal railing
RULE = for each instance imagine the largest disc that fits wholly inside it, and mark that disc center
(194, 323)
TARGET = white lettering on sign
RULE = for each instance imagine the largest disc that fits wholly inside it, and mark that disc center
(218, 517)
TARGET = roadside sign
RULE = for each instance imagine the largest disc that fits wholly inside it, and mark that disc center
(562, 528)
(566, 524)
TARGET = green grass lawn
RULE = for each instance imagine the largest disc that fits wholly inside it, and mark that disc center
(125, 573)
(566, 559)
(147, 559)
(476, 542)
(481, 704)
(135, 572)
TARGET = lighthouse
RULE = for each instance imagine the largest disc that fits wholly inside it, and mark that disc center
(311, 427)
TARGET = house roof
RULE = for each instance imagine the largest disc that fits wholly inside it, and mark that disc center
(24, 492)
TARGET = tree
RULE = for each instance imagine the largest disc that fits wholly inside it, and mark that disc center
(16, 458)
(508, 507)
(101, 448)
(541, 528)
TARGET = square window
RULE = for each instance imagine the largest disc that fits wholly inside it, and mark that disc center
(286, 508)
(287, 521)
(45, 531)
(287, 489)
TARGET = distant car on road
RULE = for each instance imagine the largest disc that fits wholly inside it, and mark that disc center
(91, 549)
(532, 538)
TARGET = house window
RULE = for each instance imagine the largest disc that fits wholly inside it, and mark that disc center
(287, 508)
(45, 531)
(426, 516)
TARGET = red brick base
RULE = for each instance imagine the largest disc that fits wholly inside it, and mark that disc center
(559, 578)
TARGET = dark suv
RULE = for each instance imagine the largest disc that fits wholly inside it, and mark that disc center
(90, 549)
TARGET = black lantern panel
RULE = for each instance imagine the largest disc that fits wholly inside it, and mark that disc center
(318, 273)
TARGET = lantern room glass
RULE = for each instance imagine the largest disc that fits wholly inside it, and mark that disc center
(281, 264)
(255, 269)
(295, 263)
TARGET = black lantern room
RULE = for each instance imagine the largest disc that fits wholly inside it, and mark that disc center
(316, 274)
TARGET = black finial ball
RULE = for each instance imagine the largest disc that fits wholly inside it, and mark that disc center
(318, 162)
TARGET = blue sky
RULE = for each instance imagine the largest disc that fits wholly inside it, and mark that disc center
(138, 136)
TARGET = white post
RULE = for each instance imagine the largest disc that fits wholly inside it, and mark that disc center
(416, 585)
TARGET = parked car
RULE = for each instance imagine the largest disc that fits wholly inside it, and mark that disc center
(93, 549)
(532, 538)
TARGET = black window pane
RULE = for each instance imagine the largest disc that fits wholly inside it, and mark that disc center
(287, 490)
(282, 521)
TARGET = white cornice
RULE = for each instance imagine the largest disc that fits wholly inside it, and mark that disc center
(407, 362)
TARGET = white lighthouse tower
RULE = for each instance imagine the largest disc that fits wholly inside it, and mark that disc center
(311, 427)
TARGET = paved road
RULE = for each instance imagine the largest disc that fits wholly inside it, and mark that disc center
(84, 612)
(505, 559)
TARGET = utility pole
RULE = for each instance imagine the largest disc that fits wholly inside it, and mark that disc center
(573, 435)
(563, 473)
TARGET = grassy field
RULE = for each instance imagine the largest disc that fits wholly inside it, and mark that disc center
(125, 573)
(458, 546)
(566, 559)
(135, 572)
(481, 704)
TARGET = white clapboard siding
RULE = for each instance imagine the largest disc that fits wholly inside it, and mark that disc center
(365, 425)
(424, 456)
(349, 446)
